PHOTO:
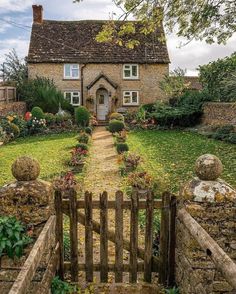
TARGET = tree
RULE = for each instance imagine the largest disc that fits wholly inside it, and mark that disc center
(13, 69)
(174, 85)
(218, 78)
(209, 20)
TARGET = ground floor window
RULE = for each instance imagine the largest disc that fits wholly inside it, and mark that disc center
(130, 97)
(73, 97)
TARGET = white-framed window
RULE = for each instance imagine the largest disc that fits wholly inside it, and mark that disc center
(131, 97)
(73, 97)
(130, 71)
(71, 71)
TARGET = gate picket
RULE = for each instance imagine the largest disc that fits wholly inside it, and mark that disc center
(88, 237)
(134, 238)
(119, 237)
(73, 236)
(148, 239)
(103, 238)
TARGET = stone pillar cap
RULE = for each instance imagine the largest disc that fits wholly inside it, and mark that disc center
(208, 187)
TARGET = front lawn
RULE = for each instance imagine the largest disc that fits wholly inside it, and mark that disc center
(169, 156)
(51, 151)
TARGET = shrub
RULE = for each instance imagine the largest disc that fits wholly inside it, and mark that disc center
(88, 130)
(82, 146)
(116, 116)
(42, 92)
(50, 118)
(15, 130)
(82, 116)
(150, 107)
(13, 238)
(37, 112)
(83, 138)
(231, 138)
(122, 147)
(131, 160)
(116, 126)
(140, 180)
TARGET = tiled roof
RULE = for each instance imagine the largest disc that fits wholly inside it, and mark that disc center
(74, 41)
(194, 82)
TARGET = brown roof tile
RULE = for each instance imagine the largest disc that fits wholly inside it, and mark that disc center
(78, 44)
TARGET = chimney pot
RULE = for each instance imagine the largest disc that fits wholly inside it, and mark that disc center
(38, 14)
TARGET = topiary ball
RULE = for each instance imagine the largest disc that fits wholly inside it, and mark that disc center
(117, 116)
(122, 147)
(82, 116)
(25, 169)
(116, 126)
(38, 113)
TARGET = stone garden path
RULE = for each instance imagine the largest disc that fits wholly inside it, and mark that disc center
(102, 174)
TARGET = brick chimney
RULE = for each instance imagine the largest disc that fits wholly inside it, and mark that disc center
(38, 14)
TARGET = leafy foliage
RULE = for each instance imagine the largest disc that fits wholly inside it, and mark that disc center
(218, 78)
(61, 287)
(172, 291)
(173, 84)
(200, 20)
(13, 69)
(12, 237)
(82, 116)
(83, 138)
(42, 92)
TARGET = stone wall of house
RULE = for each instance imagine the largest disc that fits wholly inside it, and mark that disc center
(15, 107)
(212, 203)
(216, 113)
(148, 83)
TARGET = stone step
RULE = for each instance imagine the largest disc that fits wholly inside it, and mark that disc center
(102, 123)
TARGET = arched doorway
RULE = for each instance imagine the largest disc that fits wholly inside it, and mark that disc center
(102, 103)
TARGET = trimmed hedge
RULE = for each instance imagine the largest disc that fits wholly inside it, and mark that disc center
(117, 116)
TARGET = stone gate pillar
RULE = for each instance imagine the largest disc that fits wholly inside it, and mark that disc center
(212, 203)
(29, 199)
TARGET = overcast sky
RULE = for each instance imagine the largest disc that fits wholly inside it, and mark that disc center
(20, 11)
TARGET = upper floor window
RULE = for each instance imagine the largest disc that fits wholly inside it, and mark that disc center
(73, 97)
(130, 71)
(71, 71)
(131, 98)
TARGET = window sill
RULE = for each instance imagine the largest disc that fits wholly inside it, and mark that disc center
(130, 105)
(71, 79)
(131, 79)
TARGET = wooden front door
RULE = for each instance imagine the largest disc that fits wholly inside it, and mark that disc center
(102, 104)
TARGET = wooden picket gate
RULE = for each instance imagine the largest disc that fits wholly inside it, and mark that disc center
(163, 263)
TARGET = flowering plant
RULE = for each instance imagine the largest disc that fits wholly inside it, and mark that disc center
(36, 125)
(140, 180)
(65, 182)
(131, 160)
(121, 136)
(77, 156)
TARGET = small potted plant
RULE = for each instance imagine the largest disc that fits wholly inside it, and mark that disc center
(131, 161)
(141, 182)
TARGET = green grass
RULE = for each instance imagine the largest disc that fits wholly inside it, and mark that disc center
(52, 152)
(169, 156)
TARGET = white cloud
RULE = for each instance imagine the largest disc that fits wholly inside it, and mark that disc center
(14, 5)
(21, 46)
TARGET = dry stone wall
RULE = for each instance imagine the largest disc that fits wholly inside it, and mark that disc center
(219, 113)
(15, 107)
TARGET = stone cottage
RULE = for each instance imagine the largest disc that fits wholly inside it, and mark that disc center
(104, 77)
